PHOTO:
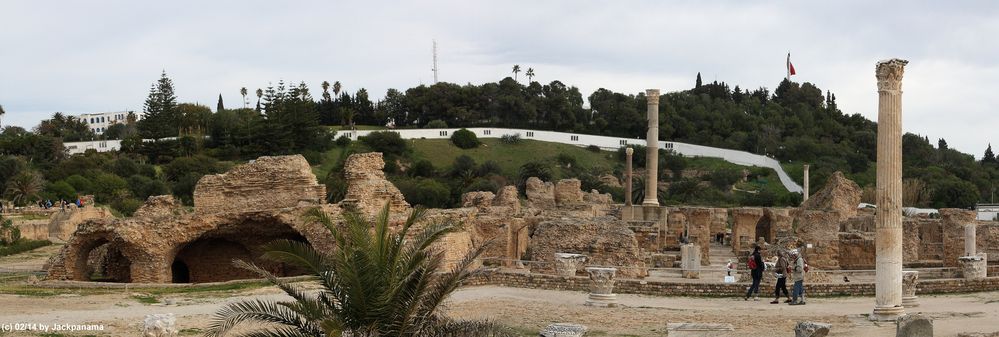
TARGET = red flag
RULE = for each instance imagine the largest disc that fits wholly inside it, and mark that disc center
(790, 67)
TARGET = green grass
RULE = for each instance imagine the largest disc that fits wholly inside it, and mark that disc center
(144, 299)
(153, 293)
(23, 245)
(510, 157)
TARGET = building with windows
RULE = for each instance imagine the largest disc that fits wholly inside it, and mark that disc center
(100, 121)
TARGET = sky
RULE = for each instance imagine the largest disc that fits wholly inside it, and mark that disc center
(94, 56)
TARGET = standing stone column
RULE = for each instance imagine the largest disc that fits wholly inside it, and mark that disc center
(805, 192)
(629, 152)
(601, 287)
(970, 236)
(910, 278)
(888, 220)
(652, 146)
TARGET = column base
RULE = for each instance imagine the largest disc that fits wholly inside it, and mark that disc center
(910, 302)
(883, 314)
(602, 300)
(650, 203)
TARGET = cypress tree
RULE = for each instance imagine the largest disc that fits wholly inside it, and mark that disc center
(698, 83)
(989, 157)
(220, 106)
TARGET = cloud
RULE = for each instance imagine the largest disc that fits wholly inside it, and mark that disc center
(91, 56)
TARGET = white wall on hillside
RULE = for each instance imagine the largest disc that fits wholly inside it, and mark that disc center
(604, 142)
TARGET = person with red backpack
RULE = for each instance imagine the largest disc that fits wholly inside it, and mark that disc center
(755, 264)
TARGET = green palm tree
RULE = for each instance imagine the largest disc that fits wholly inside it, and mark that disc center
(530, 74)
(516, 69)
(260, 93)
(24, 187)
(379, 281)
(242, 91)
(336, 88)
(2, 112)
(326, 91)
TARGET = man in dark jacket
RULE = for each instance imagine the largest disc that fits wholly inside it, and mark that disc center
(780, 271)
(757, 274)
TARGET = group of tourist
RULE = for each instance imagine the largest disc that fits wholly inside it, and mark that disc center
(781, 269)
(47, 203)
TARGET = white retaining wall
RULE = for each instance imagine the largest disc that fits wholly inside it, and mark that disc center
(604, 142)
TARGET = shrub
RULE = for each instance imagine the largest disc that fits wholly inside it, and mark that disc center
(538, 169)
(183, 188)
(81, 184)
(489, 167)
(126, 206)
(436, 124)
(21, 246)
(422, 168)
(510, 139)
(142, 187)
(465, 139)
(593, 148)
(196, 164)
(566, 159)
(61, 190)
(482, 184)
(109, 187)
(336, 188)
(723, 179)
(684, 189)
(343, 141)
(386, 142)
(463, 165)
(9, 234)
(427, 192)
(313, 157)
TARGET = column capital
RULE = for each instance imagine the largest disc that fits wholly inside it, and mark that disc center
(629, 150)
(889, 73)
(652, 95)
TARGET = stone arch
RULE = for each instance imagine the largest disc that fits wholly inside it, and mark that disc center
(101, 257)
(764, 229)
(209, 256)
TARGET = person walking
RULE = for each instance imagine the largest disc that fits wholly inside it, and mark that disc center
(781, 270)
(798, 276)
(756, 270)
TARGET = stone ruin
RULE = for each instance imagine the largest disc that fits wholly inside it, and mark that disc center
(252, 204)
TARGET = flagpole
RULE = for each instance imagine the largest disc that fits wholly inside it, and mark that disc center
(787, 67)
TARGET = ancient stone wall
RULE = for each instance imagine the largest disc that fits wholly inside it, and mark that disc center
(821, 229)
(988, 240)
(567, 192)
(839, 194)
(267, 183)
(159, 206)
(699, 229)
(540, 194)
(952, 227)
(367, 189)
(62, 224)
(719, 221)
(744, 221)
(606, 241)
(856, 250)
(781, 222)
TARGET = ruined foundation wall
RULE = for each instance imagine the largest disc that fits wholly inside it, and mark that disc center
(821, 229)
(267, 183)
(606, 241)
(952, 227)
(744, 222)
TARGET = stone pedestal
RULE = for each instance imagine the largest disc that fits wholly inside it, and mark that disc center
(563, 330)
(974, 267)
(910, 279)
(159, 325)
(566, 264)
(602, 287)
(652, 150)
(690, 261)
(888, 220)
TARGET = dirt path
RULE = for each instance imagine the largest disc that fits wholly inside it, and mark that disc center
(529, 310)
(29, 261)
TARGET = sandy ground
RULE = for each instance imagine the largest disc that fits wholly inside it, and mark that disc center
(530, 310)
(32, 260)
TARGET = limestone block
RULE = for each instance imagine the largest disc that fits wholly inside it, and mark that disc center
(266, 183)
(507, 197)
(158, 206)
(159, 325)
(367, 189)
(914, 325)
(564, 330)
(840, 194)
(690, 256)
(477, 199)
(811, 329)
(910, 279)
(540, 194)
(606, 241)
(974, 267)
(567, 192)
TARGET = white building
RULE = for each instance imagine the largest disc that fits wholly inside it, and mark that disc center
(100, 121)
(987, 212)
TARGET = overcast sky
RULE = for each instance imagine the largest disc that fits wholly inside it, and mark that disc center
(93, 56)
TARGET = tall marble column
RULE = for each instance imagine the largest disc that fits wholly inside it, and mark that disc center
(805, 192)
(629, 152)
(888, 220)
(652, 146)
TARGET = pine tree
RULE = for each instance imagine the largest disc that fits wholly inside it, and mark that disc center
(989, 157)
(698, 83)
(159, 118)
(220, 107)
(941, 144)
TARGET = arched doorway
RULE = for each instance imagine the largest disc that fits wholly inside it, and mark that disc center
(102, 260)
(763, 230)
(210, 257)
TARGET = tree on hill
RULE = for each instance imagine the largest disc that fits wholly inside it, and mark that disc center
(516, 70)
(989, 157)
(159, 116)
(219, 107)
(697, 83)
(67, 128)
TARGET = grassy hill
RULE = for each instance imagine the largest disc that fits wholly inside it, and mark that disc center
(586, 162)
